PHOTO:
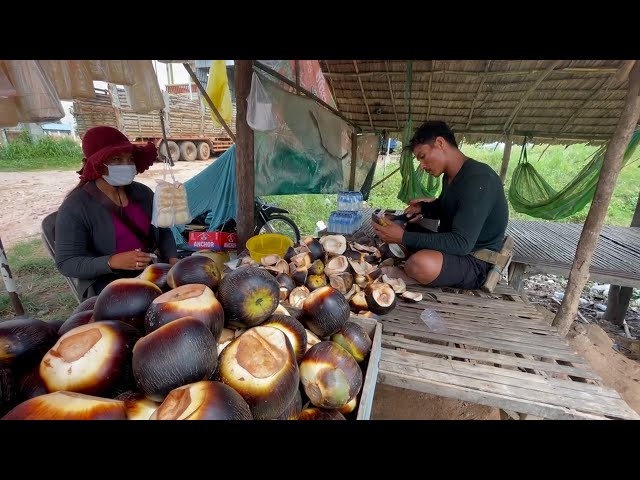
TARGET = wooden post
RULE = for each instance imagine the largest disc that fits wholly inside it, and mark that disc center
(354, 160)
(619, 297)
(505, 158)
(579, 273)
(9, 283)
(245, 173)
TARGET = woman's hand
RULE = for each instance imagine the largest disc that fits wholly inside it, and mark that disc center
(132, 260)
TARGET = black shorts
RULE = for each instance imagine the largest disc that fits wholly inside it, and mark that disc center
(461, 271)
(458, 271)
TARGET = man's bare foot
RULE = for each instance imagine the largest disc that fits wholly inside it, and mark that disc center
(397, 272)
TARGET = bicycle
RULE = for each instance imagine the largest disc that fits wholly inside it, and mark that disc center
(272, 219)
(268, 219)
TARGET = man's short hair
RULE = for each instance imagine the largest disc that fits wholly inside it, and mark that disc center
(429, 131)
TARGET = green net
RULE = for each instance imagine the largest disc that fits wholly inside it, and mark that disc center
(416, 183)
(531, 194)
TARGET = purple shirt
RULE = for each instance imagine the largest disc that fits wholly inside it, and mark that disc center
(125, 239)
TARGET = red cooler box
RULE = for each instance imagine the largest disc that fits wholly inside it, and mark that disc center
(214, 240)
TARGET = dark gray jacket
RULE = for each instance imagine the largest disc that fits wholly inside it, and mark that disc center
(85, 237)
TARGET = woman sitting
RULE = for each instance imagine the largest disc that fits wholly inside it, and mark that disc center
(103, 227)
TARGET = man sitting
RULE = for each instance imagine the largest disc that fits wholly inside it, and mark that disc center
(472, 210)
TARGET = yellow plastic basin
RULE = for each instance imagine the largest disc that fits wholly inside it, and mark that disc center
(268, 244)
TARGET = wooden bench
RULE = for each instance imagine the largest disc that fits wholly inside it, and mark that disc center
(491, 351)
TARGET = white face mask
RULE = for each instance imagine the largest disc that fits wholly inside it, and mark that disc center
(120, 175)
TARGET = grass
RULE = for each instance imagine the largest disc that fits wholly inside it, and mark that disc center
(44, 293)
(44, 153)
(558, 165)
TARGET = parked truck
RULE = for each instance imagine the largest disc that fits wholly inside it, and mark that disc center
(191, 134)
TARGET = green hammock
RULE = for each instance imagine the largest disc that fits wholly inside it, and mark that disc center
(529, 193)
(416, 183)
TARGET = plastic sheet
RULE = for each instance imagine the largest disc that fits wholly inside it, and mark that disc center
(8, 112)
(71, 78)
(309, 151)
(6, 88)
(144, 95)
(36, 99)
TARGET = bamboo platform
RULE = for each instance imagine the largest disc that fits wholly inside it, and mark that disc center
(491, 351)
(548, 247)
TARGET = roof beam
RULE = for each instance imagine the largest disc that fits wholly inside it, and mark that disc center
(475, 99)
(583, 104)
(429, 97)
(330, 82)
(573, 137)
(393, 101)
(512, 117)
(504, 73)
(364, 97)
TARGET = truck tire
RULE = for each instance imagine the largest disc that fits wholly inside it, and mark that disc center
(174, 151)
(204, 152)
(188, 151)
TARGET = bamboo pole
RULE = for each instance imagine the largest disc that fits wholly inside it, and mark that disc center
(354, 160)
(213, 108)
(512, 118)
(388, 176)
(245, 170)
(364, 97)
(475, 98)
(579, 273)
(393, 101)
(505, 158)
(9, 283)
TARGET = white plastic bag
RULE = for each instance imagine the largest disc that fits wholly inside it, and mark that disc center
(260, 115)
(170, 206)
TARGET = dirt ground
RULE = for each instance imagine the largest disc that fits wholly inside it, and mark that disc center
(27, 197)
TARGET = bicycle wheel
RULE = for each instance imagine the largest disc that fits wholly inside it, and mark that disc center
(282, 225)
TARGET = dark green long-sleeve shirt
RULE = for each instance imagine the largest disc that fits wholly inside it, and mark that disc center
(472, 210)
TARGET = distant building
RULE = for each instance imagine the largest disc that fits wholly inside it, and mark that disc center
(56, 129)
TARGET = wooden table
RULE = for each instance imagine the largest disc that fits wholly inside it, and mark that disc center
(491, 351)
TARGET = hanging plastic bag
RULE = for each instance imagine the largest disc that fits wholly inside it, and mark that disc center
(144, 95)
(260, 115)
(170, 205)
(218, 91)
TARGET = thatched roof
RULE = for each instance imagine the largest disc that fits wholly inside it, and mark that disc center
(555, 101)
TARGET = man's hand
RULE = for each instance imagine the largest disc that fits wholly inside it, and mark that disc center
(414, 210)
(173, 261)
(391, 233)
